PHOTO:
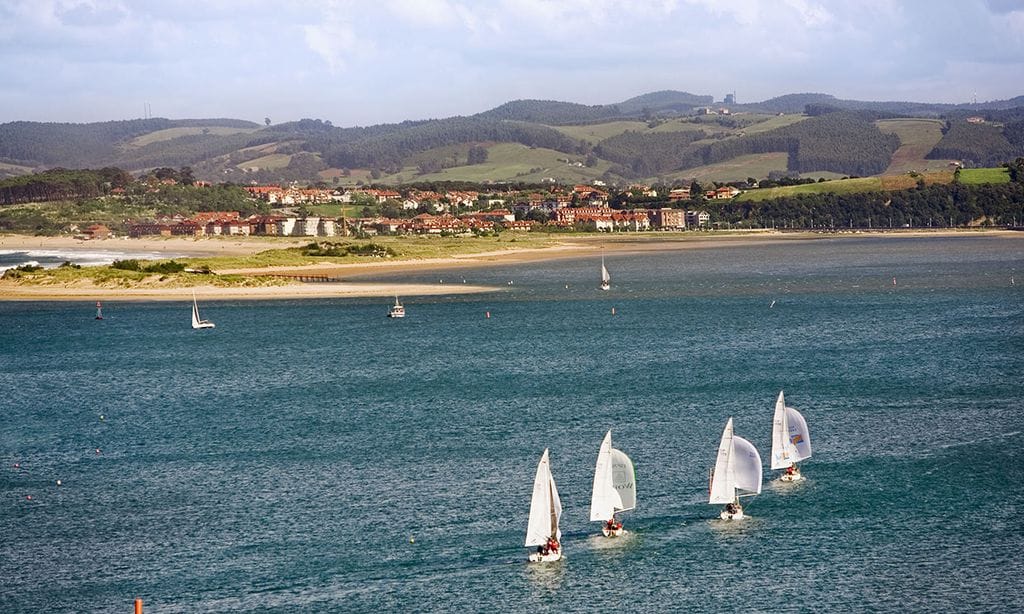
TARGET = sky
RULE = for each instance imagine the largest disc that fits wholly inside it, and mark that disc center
(376, 61)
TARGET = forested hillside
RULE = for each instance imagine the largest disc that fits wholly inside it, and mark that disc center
(60, 183)
(644, 137)
(77, 145)
(840, 142)
(566, 113)
(980, 144)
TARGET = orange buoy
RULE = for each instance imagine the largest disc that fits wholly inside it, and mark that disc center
(138, 606)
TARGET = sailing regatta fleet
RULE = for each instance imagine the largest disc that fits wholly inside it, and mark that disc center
(737, 473)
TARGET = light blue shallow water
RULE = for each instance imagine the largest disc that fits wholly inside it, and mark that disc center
(282, 461)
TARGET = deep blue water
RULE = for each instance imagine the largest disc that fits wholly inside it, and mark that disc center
(284, 460)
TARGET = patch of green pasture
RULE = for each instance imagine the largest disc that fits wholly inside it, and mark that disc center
(975, 176)
(270, 161)
(839, 186)
(738, 168)
(173, 133)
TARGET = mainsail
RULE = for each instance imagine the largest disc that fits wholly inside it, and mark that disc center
(614, 482)
(722, 481)
(545, 506)
(737, 469)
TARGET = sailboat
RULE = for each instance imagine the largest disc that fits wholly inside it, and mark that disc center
(99, 311)
(196, 321)
(614, 487)
(606, 279)
(545, 512)
(397, 310)
(791, 441)
(737, 473)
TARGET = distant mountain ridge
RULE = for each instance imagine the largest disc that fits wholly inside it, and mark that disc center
(309, 150)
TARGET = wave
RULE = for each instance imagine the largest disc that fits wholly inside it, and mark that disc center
(52, 258)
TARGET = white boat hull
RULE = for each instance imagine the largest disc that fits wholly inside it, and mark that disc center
(204, 324)
(790, 477)
(396, 315)
(550, 557)
(613, 532)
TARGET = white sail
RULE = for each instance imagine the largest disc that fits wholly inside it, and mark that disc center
(623, 480)
(799, 436)
(723, 488)
(791, 441)
(782, 450)
(605, 277)
(545, 506)
(604, 498)
(195, 312)
(746, 468)
(198, 322)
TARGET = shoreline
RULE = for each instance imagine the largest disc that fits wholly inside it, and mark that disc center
(568, 247)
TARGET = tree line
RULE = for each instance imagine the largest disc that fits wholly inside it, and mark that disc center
(952, 205)
(62, 184)
(979, 144)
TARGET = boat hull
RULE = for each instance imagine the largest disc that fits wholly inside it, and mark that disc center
(613, 532)
(551, 557)
(791, 477)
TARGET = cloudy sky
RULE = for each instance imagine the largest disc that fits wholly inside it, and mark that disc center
(360, 62)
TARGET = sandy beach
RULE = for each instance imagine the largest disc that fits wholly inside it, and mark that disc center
(568, 247)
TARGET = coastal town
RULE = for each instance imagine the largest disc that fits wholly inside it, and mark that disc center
(583, 208)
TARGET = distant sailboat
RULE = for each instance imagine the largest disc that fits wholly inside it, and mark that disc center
(397, 310)
(606, 279)
(99, 311)
(197, 322)
(737, 473)
(614, 487)
(545, 512)
(791, 441)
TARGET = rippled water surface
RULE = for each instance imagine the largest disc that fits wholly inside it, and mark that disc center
(316, 456)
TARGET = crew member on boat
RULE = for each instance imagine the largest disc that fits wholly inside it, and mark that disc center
(551, 546)
(612, 525)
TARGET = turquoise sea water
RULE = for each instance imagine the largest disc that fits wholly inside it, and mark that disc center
(285, 460)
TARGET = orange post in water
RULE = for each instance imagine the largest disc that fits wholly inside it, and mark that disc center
(138, 605)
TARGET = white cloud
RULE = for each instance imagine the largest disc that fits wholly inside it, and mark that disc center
(334, 42)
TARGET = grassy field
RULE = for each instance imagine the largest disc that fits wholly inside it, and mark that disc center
(173, 133)
(917, 138)
(841, 186)
(416, 247)
(269, 161)
(849, 186)
(599, 132)
(736, 169)
(771, 122)
(508, 161)
(975, 176)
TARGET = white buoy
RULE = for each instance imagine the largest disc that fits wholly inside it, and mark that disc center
(772, 305)
(58, 483)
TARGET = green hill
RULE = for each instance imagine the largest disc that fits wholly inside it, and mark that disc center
(664, 135)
